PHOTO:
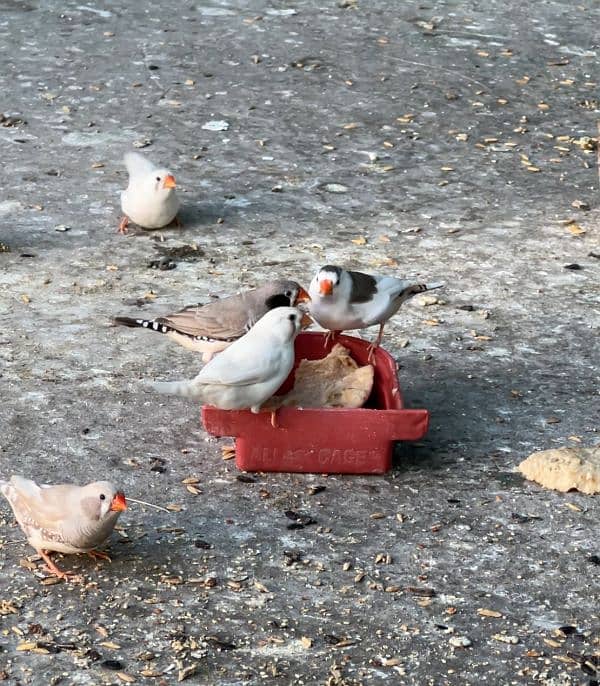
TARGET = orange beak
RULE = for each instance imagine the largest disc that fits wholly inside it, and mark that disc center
(119, 504)
(303, 296)
(169, 181)
(326, 287)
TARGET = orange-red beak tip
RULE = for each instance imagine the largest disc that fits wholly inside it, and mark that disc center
(326, 287)
(119, 504)
(169, 181)
(303, 296)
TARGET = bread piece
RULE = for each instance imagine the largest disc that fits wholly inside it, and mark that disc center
(564, 469)
(333, 381)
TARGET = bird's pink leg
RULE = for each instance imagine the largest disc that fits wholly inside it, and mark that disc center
(178, 223)
(53, 569)
(99, 555)
(330, 336)
(373, 347)
(273, 413)
(123, 225)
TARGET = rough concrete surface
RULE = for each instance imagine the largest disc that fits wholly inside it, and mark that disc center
(460, 135)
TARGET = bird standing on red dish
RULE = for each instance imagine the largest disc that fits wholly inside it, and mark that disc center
(250, 370)
(343, 300)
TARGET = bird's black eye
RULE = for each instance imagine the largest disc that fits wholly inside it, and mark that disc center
(292, 317)
(158, 178)
(102, 496)
(288, 294)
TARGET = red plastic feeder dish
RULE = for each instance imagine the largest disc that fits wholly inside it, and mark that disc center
(324, 440)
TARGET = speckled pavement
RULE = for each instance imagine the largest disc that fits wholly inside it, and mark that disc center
(450, 141)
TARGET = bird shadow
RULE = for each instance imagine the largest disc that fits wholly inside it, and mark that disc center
(196, 214)
(199, 214)
(19, 239)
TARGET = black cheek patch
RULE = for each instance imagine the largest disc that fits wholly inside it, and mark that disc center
(278, 300)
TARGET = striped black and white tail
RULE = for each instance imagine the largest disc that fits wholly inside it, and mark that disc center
(152, 324)
(422, 287)
(415, 288)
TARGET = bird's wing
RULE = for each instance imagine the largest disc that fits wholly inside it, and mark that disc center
(243, 365)
(138, 165)
(47, 505)
(223, 320)
(364, 287)
(393, 287)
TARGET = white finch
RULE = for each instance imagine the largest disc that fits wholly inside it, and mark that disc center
(64, 518)
(211, 328)
(342, 300)
(149, 200)
(250, 370)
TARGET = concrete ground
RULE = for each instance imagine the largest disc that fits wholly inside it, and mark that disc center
(461, 136)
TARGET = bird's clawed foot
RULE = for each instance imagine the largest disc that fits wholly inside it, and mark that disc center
(178, 223)
(371, 350)
(124, 223)
(273, 416)
(56, 571)
(330, 336)
(99, 555)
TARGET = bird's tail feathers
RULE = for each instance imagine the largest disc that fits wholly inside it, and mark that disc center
(186, 389)
(137, 164)
(153, 324)
(130, 321)
(24, 485)
(416, 288)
